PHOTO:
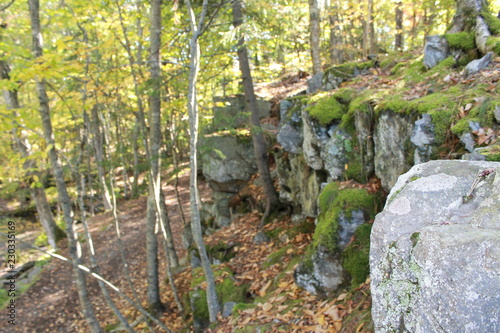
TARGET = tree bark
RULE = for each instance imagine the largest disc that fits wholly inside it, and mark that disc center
(314, 35)
(64, 198)
(335, 34)
(398, 45)
(259, 143)
(212, 301)
(468, 17)
(153, 212)
(98, 143)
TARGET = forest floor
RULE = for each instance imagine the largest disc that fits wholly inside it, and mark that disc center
(51, 303)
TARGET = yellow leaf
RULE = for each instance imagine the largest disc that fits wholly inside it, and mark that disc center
(266, 307)
(321, 320)
(262, 292)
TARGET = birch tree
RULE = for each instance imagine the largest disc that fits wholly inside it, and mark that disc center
(194, 67)
(44, 111)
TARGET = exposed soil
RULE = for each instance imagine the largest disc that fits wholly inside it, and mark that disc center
(51, 304)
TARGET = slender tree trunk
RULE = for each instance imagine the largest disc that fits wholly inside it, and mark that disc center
(335, 34)
(153, 286)
(135, 143)
(212, 301)
(153, 293)
(258, 140)
(371, 29)
(98, 143)
(398, 45)
(81, 189)
(38, 195)
(314, 34)
(64, 198)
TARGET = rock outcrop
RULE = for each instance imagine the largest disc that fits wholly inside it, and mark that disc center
(228, 163)
(435, 251)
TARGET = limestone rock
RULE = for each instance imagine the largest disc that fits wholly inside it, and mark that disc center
(423, 139)
(227, 161)
(363, 122)
(322, 274)
(299, 184)
(392, 133)
(314, 136)
(432, 268)
(476, 65)
(436, 50)
(290, 139)
(261, 238)
(497, 113)
(334, 152)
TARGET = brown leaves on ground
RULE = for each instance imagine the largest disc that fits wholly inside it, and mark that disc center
(280, 305)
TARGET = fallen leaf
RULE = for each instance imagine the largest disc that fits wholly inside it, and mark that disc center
(266, 307)
(262, 292)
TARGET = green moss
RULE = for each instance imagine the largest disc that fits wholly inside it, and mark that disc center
(221, 251)
(414, 238)
(345, 95)
(462, 126)
(274, 233)
(492, 153)
(493, 43)
(347, 70)
(326, 110)
(464, 41)
(492, 21)
(355, 257)
(333, 202)
(226, 289)
(305, 227)
(276, 257)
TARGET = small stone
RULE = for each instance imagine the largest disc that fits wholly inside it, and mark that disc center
(436, 50)
(476, 65)
(261, 238)
(468, 141)
(227, 309)
(496, 112)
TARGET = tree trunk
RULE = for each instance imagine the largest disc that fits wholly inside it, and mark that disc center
(64, 198)
(398, 45)
(153, 288)
(212, 301)
(469, 17)
(314, 34)
(335, 34)
(259, 143)
(98, 143)
(53, 232)
(371, 29)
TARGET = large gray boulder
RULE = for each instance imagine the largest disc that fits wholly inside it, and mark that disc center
(227, 161)
(434, 257)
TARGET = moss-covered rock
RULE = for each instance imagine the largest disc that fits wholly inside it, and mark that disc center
(226, 288)
(326, 109)
(464, 41)
(333, 203)
(341, 211)
(355, 257)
